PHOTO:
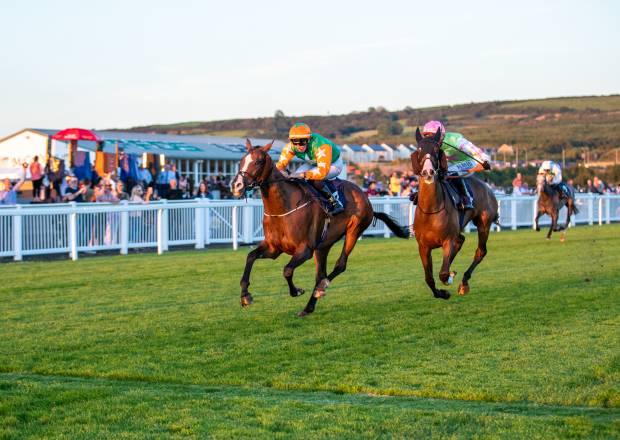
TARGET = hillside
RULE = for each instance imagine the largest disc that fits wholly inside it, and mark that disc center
(542, 126)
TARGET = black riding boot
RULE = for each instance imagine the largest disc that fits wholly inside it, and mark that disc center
(335, 206)
(466, 199)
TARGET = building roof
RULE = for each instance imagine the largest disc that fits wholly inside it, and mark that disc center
(355, 147)
(174, 146)
(377, 147)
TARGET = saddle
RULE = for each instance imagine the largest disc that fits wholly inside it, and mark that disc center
(336, 186)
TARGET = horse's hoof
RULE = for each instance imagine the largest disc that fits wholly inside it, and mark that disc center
(452, 275)
(246, 300)
(321, 289)
(298, 292)
(443, 294)
(562, 237)
(548, 238)
(537, 229)
(302, 314)
(463, 289)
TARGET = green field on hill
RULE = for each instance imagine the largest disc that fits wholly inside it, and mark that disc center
(157, 346)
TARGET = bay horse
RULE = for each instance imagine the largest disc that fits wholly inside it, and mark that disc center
(296, 224)
(550, 203)
(436, 221)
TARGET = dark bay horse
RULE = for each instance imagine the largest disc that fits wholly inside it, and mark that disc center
(436, 220)
(550, 203)
(295, 223)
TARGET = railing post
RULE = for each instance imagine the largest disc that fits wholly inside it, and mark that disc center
(513, 213)
(411, 213)
(388, 211)
(235, 228)
(73, 235)
(166, 224)
(608, 209)
(499, 216)
(590, 210)
(247, 220)
(124, 228)
(534, 212)
(17, 235)
(160, 231)
(207, 223)
(600, 211)
(199, 224)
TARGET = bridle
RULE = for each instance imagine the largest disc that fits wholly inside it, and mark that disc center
(252, 181)
(431, 173)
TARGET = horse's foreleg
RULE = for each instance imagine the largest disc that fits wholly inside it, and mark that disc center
(320, 258)
(427, 263)
(481, 251)
(446, 275)
(297, 260)
(554, 224)
(569, 212)
(448, 249)
(261, 251)
(538, 215)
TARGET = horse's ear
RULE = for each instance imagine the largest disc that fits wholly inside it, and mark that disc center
(415, 162)
(268, 146)
(418, 135)
(248, 144)
(437, 137)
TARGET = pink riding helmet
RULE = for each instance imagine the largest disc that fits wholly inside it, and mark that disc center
(431, 127)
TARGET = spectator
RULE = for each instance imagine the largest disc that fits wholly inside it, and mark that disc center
(36, 175)
(8, 192)
(72, 193)
(203, 191)
(372, 189)
(517, 185)
(394, 185)
(163, 182)
(589, 186)
(106, 195)
(598, 186)
(146, 178)
(120, 191)
(174, 193)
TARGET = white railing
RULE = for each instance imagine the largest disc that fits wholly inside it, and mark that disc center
(73, 228)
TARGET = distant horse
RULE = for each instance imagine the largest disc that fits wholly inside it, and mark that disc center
(550, 203)
(436, 221)
(296, 224)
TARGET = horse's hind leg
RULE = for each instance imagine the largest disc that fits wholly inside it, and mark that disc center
(297, 260)
(483, 235)
(427, 263)
(261, 251)
(320, 257)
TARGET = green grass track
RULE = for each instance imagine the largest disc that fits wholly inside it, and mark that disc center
(147, 346)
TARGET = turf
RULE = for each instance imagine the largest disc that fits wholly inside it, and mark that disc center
(157, 346)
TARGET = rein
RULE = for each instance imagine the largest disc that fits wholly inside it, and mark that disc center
(443, 207)
(288, 212)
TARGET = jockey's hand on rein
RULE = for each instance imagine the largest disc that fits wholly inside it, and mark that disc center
(486, 165)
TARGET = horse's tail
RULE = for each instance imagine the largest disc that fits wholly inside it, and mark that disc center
(575, 209)
(398, 230)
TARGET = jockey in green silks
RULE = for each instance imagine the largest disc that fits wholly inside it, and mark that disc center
(322, 157)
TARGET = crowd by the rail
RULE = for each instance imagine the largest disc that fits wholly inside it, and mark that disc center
(54, 183)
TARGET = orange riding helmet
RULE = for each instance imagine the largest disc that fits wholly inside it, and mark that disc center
(299, 131)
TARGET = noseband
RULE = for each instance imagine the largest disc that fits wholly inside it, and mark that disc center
(251, 181)
(432, 171)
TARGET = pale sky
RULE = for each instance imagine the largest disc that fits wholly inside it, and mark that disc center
(125, 63)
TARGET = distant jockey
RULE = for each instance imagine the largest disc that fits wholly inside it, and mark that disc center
(552, 173)
(322, 161)
(464, 158)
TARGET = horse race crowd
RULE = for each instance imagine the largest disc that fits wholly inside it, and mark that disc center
(402, 184)
(56, 184)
